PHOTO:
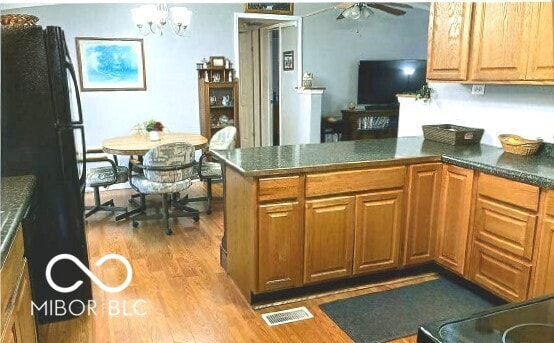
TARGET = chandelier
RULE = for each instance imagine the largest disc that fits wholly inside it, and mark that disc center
(156, 17)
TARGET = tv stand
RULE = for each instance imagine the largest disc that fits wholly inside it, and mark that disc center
(376, 121)
(381, 106)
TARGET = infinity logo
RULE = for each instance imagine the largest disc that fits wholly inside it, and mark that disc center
(89, 273)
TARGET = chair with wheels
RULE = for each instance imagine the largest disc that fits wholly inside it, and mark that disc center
(210, 171)
(103, 176)
(166, 170)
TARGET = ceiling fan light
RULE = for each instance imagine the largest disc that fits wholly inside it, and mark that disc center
(355, 12)
(366, 12)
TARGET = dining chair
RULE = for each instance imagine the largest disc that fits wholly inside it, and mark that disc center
(165, 170)
(209, 169)
(109, 174)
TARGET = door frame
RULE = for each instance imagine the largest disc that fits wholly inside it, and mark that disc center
(287, 20)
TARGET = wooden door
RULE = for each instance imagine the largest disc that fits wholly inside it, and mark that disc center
(424, 182)
(329, 236)
(544, 277)
(448, 44)
(499, 42)
(453, 217)
(377, 233)
(541, 46)
(543, 280)
(280, 246)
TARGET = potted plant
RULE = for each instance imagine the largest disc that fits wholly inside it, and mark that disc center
(154, 128)
(424, 93)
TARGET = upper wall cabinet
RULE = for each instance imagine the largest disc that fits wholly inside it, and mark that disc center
(498, 43)
(540, 65)
(500, 40)
(448, 48)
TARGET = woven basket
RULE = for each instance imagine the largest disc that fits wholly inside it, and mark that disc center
(18, 20)
(518, 145)
(452, 134)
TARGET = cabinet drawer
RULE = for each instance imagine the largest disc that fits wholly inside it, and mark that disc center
(505, 227)
(500, 273)
(13, 265)
(354, 181)
(511, 192)
(279, 188)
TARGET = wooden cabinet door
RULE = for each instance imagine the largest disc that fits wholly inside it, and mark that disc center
(544, 277)
(448, 45)
(377, 233)
(280, 246)
(424, 182)
(500, 41)
(453, 219)
(328, 240)
(541, 46)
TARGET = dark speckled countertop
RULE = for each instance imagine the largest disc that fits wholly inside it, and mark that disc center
(16, 195)
(281, 160)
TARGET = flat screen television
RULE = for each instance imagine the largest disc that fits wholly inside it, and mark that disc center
(380, 81)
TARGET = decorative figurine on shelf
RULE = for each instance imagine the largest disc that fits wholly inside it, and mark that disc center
(154, 128)
(226, 100)
(227, 63)
(223, 120)
(216, 77)
(204, 63)
(307, 80)
(230, 76)
(213, 100)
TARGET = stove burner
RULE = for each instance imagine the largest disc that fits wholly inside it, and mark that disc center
(529, 330)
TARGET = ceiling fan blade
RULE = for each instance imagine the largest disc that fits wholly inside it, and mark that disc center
(344, 5)
(389, 10)
(318, 11)
(395, 4)
(341, 15)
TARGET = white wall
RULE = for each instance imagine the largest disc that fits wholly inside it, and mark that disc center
(172, 90)
(331, 51)
(527, 111)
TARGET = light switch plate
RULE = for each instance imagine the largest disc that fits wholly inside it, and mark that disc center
(478, 89)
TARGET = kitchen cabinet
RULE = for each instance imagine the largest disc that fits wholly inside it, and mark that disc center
(504, 235)
(280, 246)
(18, 324)
(329, 238)
(377, 231)
(454, 217)
(543, 280)
(499, 43)
(540, 65)
(501, 273)
(423, 196)
(448, 44)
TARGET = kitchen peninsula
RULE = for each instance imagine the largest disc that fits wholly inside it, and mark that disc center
(302, 215)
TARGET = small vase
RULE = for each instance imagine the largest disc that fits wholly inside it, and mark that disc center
(154, 135)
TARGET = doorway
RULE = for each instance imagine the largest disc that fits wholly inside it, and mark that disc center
(260, 40)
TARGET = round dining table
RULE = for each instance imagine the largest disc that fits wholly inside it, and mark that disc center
(140, 144)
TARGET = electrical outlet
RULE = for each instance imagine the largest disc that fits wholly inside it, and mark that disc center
(478, 90)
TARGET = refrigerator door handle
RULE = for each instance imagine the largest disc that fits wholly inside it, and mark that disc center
(71, 70)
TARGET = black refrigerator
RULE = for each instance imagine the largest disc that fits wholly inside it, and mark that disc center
(43, 135)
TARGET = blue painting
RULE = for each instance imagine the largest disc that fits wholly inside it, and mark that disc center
(111, 64)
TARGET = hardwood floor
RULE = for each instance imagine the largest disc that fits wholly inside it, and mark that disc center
(188, 296)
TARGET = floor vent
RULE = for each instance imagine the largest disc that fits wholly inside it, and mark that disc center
(287, 316)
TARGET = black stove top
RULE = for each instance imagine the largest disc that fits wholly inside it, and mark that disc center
(529, 321)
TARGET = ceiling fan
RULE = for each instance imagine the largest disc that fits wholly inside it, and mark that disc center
(363, 10)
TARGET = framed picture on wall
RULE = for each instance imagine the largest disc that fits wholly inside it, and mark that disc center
(288, 60)
(111, 64)
(286, 8)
